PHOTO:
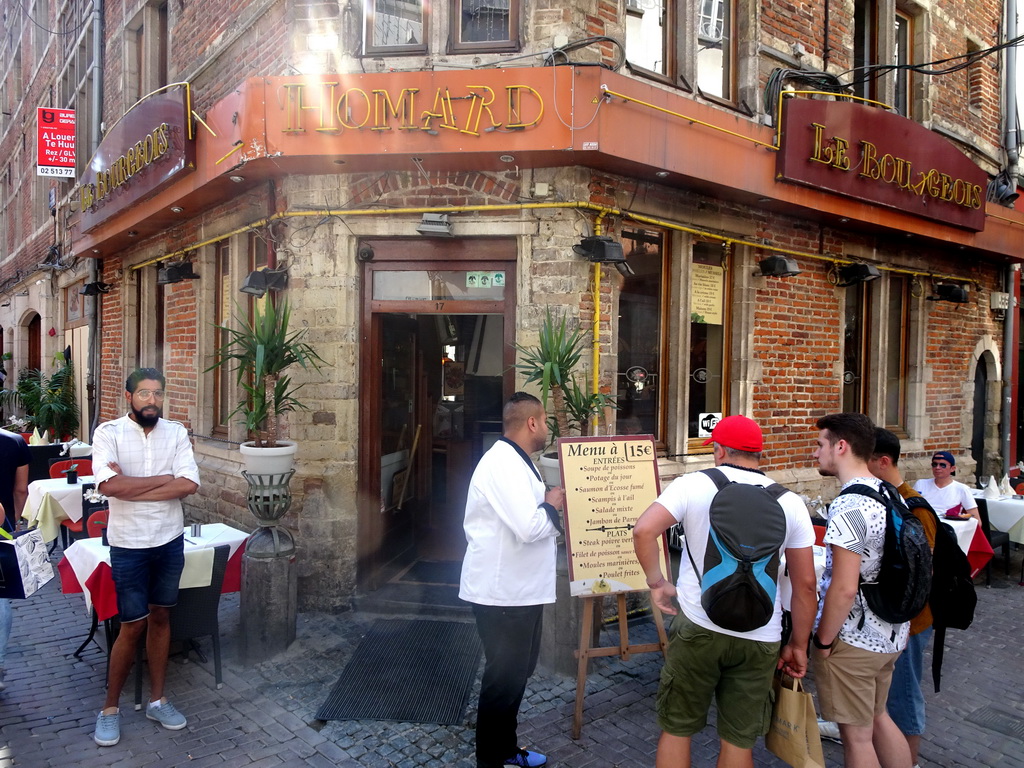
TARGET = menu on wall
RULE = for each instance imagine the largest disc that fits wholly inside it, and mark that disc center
(707, 283)
(609, 482)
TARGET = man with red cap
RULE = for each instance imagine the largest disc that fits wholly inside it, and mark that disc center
(945, 494)
(705, 659)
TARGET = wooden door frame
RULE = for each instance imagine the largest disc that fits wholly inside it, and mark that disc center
(413, 254)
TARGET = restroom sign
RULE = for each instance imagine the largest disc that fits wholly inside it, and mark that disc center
(55, 140)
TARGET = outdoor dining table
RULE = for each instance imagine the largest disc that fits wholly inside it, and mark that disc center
(1006, 513)
(53, 500)
(85, 567)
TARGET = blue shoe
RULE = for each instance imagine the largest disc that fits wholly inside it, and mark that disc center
(165, 714)
(524, 758)
(108, 729)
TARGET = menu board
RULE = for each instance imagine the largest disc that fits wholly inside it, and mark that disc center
(609, 482)
(707, 283)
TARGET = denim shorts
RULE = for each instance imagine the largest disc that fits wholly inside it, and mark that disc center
(906, 699)
(702, 664)
(145, 577)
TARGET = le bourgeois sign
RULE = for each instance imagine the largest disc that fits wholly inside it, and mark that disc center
(874, 155)
(141, 154)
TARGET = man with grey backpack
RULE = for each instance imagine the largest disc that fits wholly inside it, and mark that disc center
(726, 641)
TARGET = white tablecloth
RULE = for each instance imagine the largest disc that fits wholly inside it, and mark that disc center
(50, 501)
(964, 530)
(1006, 514)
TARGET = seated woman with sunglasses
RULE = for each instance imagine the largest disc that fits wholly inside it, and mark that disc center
(947, 497)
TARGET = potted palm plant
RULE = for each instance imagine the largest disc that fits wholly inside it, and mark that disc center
(49, 402)
(552, 364)
(260, 352)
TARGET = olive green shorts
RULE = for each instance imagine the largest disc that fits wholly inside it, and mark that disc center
(737, 672)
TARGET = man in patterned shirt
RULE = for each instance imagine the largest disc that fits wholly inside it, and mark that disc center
(853, 649)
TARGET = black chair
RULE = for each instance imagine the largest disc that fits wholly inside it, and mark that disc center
(39, 461)
(997, 539)
(195, 615)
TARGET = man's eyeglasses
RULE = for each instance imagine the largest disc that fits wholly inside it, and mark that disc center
(940, 464)
(145, 394)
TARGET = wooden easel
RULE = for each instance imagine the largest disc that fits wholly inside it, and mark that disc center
(623, 650)
(405, 477)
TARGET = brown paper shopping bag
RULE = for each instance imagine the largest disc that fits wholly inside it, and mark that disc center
(793, 735)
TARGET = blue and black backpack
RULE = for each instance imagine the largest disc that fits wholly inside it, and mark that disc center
(747, 528)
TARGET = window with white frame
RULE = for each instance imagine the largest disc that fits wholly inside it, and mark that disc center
(77, 85)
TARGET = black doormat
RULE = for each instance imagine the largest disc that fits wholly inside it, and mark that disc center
(409, 670)
(434, 572)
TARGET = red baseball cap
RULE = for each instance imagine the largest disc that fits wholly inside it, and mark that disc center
(737, 432)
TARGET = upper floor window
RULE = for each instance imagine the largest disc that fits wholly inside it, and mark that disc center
(395, 27)
(715, 48)
(484, 25)
(146, 46)
(902, 57)
(657, 43)
(871, 48)
(650, 38)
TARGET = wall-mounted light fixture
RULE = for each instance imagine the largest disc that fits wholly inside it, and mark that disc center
(435, 225)
(259, 281)
(95, 289)
(957, 294)
(175, 273)
(1002, 189)
(776, 265)
(852, 274)
(602, 249)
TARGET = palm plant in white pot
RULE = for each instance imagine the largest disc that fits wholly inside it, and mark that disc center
(260, 353)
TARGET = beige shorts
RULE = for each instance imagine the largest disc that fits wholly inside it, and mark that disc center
(852, 683)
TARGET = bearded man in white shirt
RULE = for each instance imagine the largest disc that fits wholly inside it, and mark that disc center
(145, 466)
(508, 574)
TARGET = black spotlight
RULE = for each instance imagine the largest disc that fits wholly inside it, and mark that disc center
(957, 294)
(259, 281)
(95, 289)
(175, 273)
(851, 274)
(777, 265)
(602, 249)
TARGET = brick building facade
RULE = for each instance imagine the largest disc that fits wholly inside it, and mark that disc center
(323, 131)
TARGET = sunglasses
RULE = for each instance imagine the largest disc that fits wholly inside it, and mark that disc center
(940, 464)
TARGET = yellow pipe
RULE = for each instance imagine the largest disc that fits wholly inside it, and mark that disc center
(602, 210)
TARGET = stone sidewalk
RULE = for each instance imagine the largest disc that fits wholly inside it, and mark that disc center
(264, 715)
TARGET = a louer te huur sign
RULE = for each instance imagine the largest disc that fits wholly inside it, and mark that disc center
(145, 151)
(878, 156)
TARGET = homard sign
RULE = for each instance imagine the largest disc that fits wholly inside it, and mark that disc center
(144, 152)
(878, 156)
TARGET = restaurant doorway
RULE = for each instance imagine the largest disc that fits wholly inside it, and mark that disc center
(438, 359)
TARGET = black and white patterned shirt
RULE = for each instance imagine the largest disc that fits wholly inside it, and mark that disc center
(857, 523)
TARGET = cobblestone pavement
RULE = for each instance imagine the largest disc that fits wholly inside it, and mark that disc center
(264, 715)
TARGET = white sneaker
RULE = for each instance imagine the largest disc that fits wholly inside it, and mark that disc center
(829, 730)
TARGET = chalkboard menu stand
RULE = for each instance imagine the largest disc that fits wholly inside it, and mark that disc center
(623, 650)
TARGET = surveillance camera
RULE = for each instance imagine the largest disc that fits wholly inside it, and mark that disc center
(365, 252)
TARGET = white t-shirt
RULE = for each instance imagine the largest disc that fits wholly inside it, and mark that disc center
(688, 498)
(944, 499)
(857, 523)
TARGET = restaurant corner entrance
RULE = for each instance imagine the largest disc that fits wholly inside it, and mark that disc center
(438, 328)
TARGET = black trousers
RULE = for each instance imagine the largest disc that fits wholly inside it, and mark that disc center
(511, 639)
